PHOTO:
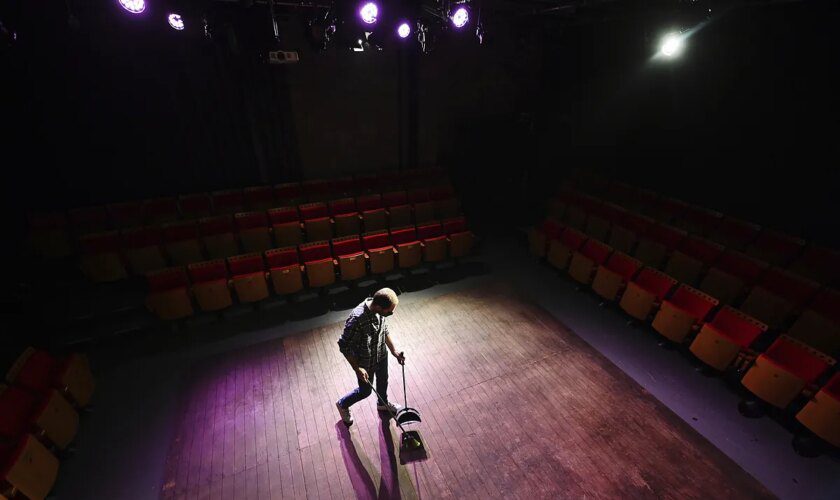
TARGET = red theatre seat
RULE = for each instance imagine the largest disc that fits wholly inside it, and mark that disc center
(611, 278)
(219, 236)
(290, 193)
(732, 273)
(727, 335)
(210, 285)
(586, 260)
(253, 229)
(27, 467)
(374, 216)
(380, 251)
(655, 244)
(778, 295)
(228, 201)
(194, 206)
(286, 226)
(169, 294)
(822, 413)
(351, 259)
(694, 254)
(101, 257)
(258, 198)
(48, 414)
(399, 210)
(560, 249)
(347, 219)
(143, 249)
(39, 371)
(540, 236)
(160, 210)
(645, 292)
(408, 248)
(433, 241)
(248, 275)
(699, 220)
(181, 242)
(775, 248)
(735, 233)
(318, 263)
(461, 239)
(316, 221)
(285, 270)
(818, 263)
(682, 313)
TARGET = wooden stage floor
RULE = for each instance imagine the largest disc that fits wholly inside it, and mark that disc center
(513, 404)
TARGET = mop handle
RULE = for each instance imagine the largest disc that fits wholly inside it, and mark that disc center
(405, 394)
(394, 415)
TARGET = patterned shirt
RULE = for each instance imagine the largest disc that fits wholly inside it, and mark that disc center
(364, 336)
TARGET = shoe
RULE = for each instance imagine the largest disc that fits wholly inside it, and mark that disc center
(345, 414)
(391, 408)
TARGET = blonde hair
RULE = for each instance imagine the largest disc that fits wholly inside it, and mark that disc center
(385, 298)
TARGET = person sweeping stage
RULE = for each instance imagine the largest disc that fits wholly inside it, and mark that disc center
(363, 343)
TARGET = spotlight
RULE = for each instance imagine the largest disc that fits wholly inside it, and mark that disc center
(460, 16)
(176, 22)
(369, 12)
(133, 6)
(672, 45)
(404, 30)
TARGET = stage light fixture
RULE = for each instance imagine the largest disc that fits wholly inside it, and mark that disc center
(460, 17)
(403, 30)
(133, 6)
(672, 44)
(369, 13)
(176, 21)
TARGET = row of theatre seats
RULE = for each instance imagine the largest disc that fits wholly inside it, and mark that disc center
(39, 417)
(60, 233)
(113, 255)
(212, 284)
(741, 298)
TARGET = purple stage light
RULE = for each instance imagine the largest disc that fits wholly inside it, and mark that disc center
(133, 6)
(176, 22)
(404, 30)
(460, 17)
(369, 12)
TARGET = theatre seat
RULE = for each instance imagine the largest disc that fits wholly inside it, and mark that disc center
(424, 212)
(781, 373)
(228, 201)
(668, 210)
(657, 242)
(210, 285)
(40, 371)
(161, 210)
(575, 217)
(346, 217)
(818, 263)
(732, 273)
(461, 239)
(418, 195)
(539, 236)
(181, 243)
(285, 224)
(365, 184)
(374, 217)
(699, 220)
(253, 230)
(45, 414)
(341, 186)
(778, 295)
(734, 233)
(625, 231)
(776, 248)
(682, 313)
(258, 198)
(612, 276)
(143, 249)
(368, 202)
(380, 251)
(728, 334)
(350, 257)
(313, 210)
(126, 214)
(285, 270)
(433, 242)
(88, 220)
(169, 294)
(586, 260)
(821, 415)
(28, 467)
(597, 226)
(694, 254)
(219, 236)
(248, 275)
(288, 194)
(560, 249)
(49, 235)
(399, 210)
(101, 257)
(408, 248)
(195, 206)
(447, 208)
(645, 292)
(318, 263)
(316, 190)
(316, 221)
(817, 330)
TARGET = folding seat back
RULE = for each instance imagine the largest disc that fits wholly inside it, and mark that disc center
(418, 195)
(623, 265)
(694, 254)
(818, 331)
(699, 220)
(424, 212)
(342, 206)
(126, 214)
(39, 371)
(101, 257)
(461, 239)
(669, 209)
(560, 250)
(781, 373)
(290, 193)
(49, 234)
(160, 210)
(318, 229)
(282, 215)
(655, 244)
(777, 296)
(210, 284)
(409, 251)
(404, 236)
(540, 236)
(258, 198)
(434, 241)
(682, 313)
(313, 210)
(720, 341)
(339, 187)
(366, 183)
(735, 233)
(347, 219)
(182, 243)
(194, 206)
(47, 413)
(28, 467)
(399, 210)
(369, 202)
(586, 260)
(655, 282)
(284, 269)
(88, 220)
(248, 276)
(143, 249)
(819, 264)
(693, 301)
(775, 248)
(821, 415)
(394, 198)
(731, 273)
(253, 230)
(316, 190)
(351, 258)
(447, 208)
(378, 246)
(597, 227)
(318, 263)
(228, 201)
(169, 294)
(218, 235)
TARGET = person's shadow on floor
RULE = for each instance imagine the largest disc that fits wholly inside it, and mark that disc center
(360, 469)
